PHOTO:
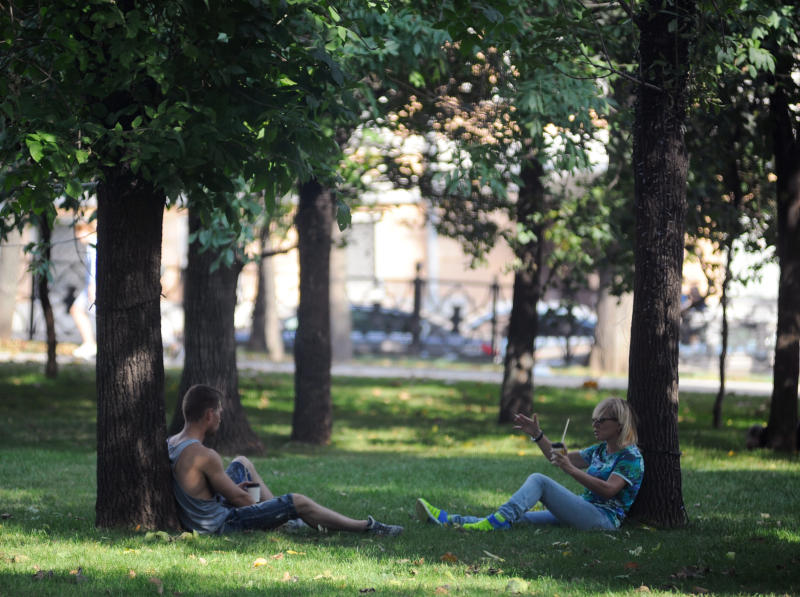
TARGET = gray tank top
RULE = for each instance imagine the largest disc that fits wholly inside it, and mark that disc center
(203, 516)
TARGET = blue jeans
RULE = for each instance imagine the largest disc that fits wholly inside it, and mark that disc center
(563, 507)
(263, 515)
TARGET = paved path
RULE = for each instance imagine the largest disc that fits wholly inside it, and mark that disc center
(542, 375)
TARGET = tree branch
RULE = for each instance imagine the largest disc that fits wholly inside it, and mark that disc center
(273, 252)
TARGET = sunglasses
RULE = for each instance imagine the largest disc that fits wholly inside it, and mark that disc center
(602, 420)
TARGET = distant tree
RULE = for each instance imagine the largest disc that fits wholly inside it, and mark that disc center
(42, 276)
(496, 114)
(312, 419)
(731, 202)
(265, 329)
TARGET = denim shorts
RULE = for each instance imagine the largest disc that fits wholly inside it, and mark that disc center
(263, 515)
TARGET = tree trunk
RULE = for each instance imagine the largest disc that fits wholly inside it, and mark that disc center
(517, 390)
(312, 420)
(266, 326)
(611, 347)
(723, 353)
(10, 262)
(782, 423)
(660, 169)
(134, 481)
(258, 337)
(43, 290)
(209, 300)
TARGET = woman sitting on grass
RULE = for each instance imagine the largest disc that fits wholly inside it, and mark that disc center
(612, 478)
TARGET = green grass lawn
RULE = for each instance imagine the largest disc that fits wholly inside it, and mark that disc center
(393, 441)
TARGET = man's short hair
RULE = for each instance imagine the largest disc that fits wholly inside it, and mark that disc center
(198, 399)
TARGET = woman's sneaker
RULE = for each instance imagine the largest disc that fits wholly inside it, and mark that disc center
(428, 513)
(379, 528)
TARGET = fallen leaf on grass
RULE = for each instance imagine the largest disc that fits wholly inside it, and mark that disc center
(442, 590)
(295, 553)
(277, 556)
(260, 562)
(449, 557)
(158, 583)
(79, 576)
(631, 565)
(643, 589)
(289, 578)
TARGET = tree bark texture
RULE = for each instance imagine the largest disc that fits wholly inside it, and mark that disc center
(209, 300)
(782, 423)
(43, 290)
(134, 481)
(312, 420)
(517, 389)
(660, 170)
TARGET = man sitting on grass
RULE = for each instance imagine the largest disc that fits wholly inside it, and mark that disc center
(214, 500)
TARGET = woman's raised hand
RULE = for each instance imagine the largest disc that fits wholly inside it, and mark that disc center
(527, 425)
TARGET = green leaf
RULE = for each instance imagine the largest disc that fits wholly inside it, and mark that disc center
(74, 189)
(343, 215)
(35, 149)
(416, 79)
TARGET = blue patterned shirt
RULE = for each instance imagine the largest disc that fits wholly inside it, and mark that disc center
(628, 464)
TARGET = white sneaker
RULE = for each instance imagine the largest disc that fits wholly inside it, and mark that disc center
(87, 350)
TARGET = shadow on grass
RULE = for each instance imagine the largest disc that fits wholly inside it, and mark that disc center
(749, 514)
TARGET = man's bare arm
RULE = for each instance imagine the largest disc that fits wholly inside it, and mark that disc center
(221, 483)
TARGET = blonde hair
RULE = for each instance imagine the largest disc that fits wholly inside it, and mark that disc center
(619, 409)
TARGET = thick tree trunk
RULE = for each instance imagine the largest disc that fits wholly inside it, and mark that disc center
(134, 482)
(782, 423)
(660, 169)
(312, 420)
(611, 347)
(209, 300)
(43, 290)
(517, 389)
(10, 267)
